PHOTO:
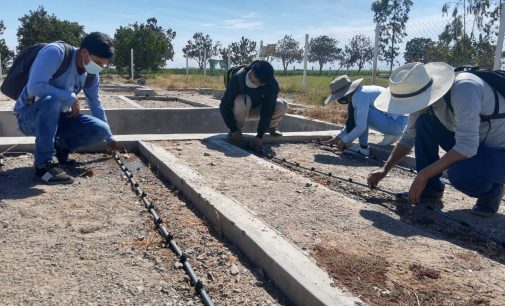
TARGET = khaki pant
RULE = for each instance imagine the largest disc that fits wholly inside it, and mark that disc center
(243, 112)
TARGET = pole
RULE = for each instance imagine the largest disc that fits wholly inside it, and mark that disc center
(131, 62)
(262, 52)
(499, 43)
(187, 66)
(375, 54)
(229, 57)
(1, 75)
(305, 57)
(204, 63)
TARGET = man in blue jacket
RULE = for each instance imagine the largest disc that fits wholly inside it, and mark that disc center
(48, 108)
(251, 93)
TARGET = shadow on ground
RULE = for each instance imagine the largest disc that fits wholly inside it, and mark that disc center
(428, 224)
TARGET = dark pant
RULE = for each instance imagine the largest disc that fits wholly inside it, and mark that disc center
(479, 176)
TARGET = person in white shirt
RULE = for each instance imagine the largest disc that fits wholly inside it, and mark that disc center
(445, 111)
(362, 115)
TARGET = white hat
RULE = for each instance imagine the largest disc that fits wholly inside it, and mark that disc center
(341, 87)
(415, 86)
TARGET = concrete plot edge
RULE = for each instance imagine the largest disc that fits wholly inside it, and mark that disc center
(293, 272)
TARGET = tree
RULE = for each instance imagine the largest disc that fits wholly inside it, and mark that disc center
(417, 49)
(391, 16)
(151, 44)
(5, 53)
(201, 48)
(38, 26)
(288, 51)
(242, 52)
(323, 49)
(359, 51)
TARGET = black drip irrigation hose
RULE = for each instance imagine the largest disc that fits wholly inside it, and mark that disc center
(332, 149)
(389, 192)
(169, 238)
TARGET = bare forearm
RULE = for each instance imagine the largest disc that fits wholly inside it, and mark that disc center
(398, 153)
(442, 164)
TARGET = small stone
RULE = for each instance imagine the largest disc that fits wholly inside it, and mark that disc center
(210, 276)
(206, 154)
(308, 185)
(213, 164)
(234, 270)
(178, 149)
(299, 191)
(178, 265)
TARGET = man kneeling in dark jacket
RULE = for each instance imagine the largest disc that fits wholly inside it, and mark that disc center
(251, 93)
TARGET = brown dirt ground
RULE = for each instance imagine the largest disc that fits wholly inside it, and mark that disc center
(93, 242)
(382, 250)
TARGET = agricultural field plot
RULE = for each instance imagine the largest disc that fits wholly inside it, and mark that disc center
(379, 248)
(94, 243)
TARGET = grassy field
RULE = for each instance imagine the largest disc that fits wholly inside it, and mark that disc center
(290, 86)
(316, 92)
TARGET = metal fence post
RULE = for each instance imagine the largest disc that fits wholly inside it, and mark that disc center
(305, 57)
(375, 54)
(261, 55)
(499, 43)
(1, 71)
(187, 66)
(131, 62)
(204, 63)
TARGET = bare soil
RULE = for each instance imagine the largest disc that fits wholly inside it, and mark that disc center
(93, 243)
(379, 248)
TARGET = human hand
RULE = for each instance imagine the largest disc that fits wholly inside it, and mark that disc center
(417, 188)
(74, 112)
(237, 136)
(375, 177)
(256, 144)
(112, 145)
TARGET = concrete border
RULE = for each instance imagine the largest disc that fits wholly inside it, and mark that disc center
(303, 282)
(129, 142)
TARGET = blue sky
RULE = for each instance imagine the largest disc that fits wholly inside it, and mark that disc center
(224, 21)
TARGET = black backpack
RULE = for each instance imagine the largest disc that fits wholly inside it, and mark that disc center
(18, 74)
(495, 78)
(230, 73)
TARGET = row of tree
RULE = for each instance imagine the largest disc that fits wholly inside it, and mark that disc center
(153, 44)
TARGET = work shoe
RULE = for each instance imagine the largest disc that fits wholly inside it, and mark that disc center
(51, 174)
(388, 140)
(273, 131)
(356, 148)
(62, 156)
(488, 207)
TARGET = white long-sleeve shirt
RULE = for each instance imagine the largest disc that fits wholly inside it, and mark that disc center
(362, 98)
(470, 98)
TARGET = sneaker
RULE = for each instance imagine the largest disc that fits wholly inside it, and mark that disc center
(62, 156)
(488, 207)
(389, 140)
(356, 148)
(273, 131)
(51, 174)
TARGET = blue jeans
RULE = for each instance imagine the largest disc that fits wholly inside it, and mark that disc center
(383, 123)
(44, 120)
(479, 176)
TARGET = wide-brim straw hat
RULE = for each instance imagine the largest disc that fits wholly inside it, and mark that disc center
(415, 86)
(341, 87)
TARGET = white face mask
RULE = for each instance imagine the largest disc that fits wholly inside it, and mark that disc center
(92, 67)
(248, 82)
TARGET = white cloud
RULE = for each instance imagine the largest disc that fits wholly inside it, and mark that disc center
(242, 24)
(249, 15)
(208, 25)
